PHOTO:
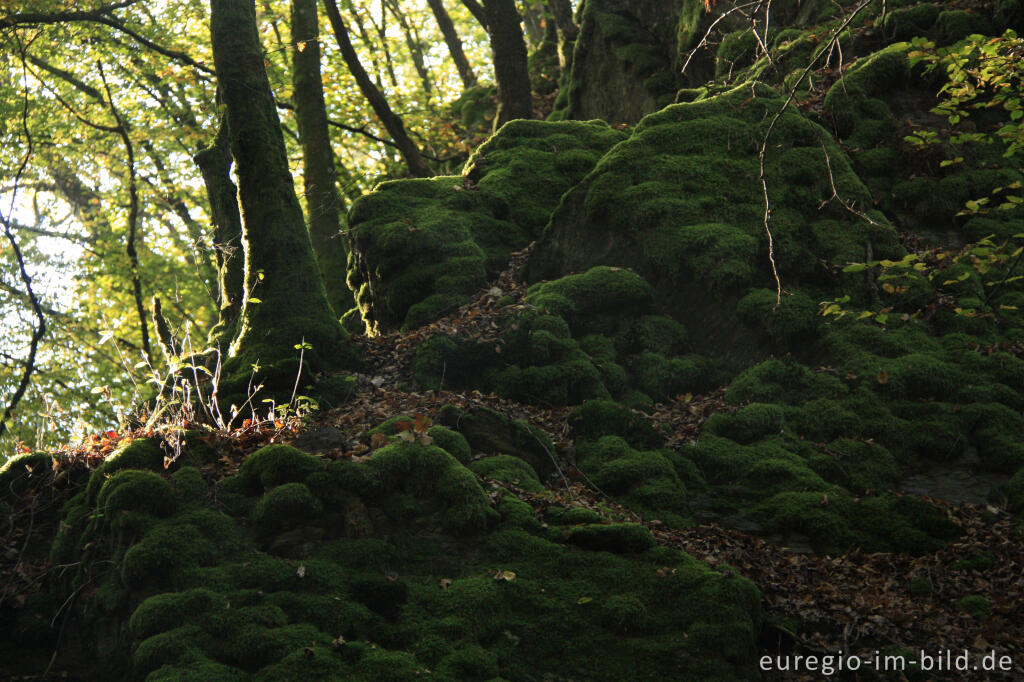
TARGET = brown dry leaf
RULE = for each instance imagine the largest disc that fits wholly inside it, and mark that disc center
(378, 440)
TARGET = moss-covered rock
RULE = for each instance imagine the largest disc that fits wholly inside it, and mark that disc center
(421, 247)
(136, 491)
(679, 203)
(612, 537)
(273, 465)
(507, 469)
(490, 432)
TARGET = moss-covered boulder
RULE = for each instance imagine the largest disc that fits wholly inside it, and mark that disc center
(680, 203)
(421, 247)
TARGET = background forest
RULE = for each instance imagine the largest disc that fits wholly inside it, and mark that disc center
(501, 340)
(94, 113)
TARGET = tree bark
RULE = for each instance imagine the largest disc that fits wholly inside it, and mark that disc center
(410, 152)
(215, 165)
(561, 12)
(451, 39)
(510, 67)
(477, 10)
(284, 302)
(324, 205)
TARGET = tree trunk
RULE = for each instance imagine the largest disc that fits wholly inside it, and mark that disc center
(477, 11)
(324, 204)
(215, 165)
(408, 149)
(451, 38)
(561, 11)
(510, 67)
(284, 302)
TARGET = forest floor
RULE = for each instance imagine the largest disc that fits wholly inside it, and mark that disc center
(854, 604)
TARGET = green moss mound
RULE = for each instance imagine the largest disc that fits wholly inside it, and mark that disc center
(421, 247)
(388, 567)
(679, 203)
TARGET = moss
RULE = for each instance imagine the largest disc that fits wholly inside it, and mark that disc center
(656, 333)
(453, 442)
(920, 587)
(869, 466)
(163, 612)
(905, 23)
(954, 25)
(517, 514)
(389, 666)
(769, 476)
(141, 453)
(421, 470)
(287, 505)
(721, 460)
(976, 606)
(141, 491)
(983, 561)
(445, 361)
(273, 465)
(469, 663)
(591, 300)
(790, 320)
(823, 420)
(571, 516)
(622, 538)
(783, 381)
(189, 485)
(597, 418)
(644, 480)
(1015, 492)
(380, 595)
(19, 472)
(309, 663)
(421, 247)
(489, 432)
(750, 423)
(679, 203)
(507, 469)
(195, 539)
(531, 164)
(166, 648)
(663, 378)
(736, 50)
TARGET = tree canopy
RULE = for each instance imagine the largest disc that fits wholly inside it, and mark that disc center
(105, 106)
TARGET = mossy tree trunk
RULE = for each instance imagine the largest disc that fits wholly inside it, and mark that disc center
(215, 165)
(284, 301)
(324, 205)
(410, 152)
(561, 12)
(508, 49)
(451, 39)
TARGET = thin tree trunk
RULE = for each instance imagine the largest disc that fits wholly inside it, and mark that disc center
(324, 204)
(215, 165)
(451, 39)
(510, 66)
(410, 152)
(412, 41)
(284, 302)
(561, 12)
(130, 247)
